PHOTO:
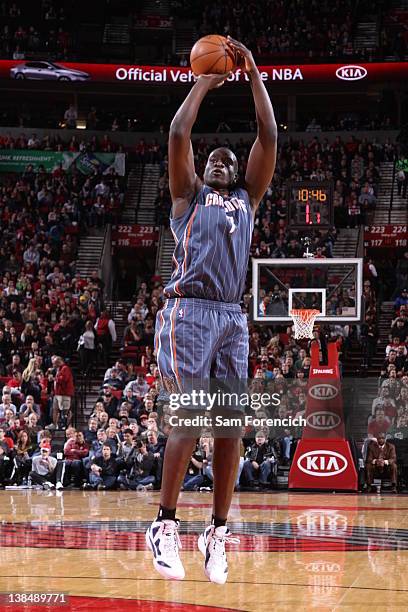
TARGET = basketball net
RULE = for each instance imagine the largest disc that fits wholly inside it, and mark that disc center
(303, 320)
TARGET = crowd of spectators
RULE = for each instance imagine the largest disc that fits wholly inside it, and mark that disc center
(347, 122)
(131, 406)
(124, 442)
(63, 202)
(109, 453)
(278, 28)
(394, 33)
(161, 110)
(42, 27)
(291, 31)
(102, 118)
(385, 447)
(48, 311)
(304, 31)
(55, 142)
(45, 304)
(352, 165)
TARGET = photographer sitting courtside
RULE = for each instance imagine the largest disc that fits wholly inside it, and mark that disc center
(194, 478)
(259, 461)
(139, 468)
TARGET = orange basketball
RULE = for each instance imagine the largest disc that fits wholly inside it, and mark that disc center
(211, 55)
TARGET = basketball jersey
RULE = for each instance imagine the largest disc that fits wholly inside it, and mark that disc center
(213, 240)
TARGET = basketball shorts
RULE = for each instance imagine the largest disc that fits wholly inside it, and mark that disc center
(202, 342)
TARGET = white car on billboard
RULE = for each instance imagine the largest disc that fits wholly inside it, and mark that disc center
(47, 71)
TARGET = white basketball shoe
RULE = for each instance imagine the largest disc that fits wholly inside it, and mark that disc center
(163, 540)
(211, 544)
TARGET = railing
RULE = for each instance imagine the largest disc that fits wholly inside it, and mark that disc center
(113, 309)
(83, 387)
(139, 195)
(105, 271)
(360, 242)
(159, 250)
(74, 409)
(354, 20)
(392, 189)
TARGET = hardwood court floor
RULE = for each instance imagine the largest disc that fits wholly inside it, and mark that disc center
(297, 551)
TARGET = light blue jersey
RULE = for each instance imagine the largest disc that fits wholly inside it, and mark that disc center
(213, 240)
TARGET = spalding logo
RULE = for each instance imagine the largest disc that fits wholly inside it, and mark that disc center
(323, 391)
(351, 73)
(323, 420)
(322, 463)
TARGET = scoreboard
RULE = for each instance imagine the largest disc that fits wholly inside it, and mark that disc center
(310, 204)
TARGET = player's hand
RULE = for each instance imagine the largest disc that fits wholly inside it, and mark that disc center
(242, 53)
(213, 81)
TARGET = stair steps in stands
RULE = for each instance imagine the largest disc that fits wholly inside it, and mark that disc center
(366, 35)
(353, 364)
(152, 7)
(146, 213)
(165, 254)
(367, 383)
(90, 253)
(399, 214)
(345, 247)
(184, 37)
(116, 34)
(119, 311)
(132, 194)
(358, 419)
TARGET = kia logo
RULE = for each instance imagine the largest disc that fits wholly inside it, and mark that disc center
(323, 420)
(322, 463)
(323, 567)
(323, 391)
(351, 73)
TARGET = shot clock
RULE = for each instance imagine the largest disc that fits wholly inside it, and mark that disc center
(310, 204)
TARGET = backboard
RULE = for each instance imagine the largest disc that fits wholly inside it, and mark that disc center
(333, 286)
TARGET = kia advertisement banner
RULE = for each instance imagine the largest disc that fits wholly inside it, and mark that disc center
(323, 464)
(323, 458)
(163, 75)
(324, 405)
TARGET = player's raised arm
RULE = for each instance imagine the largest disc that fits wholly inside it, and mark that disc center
(262, 158)
(183, 180)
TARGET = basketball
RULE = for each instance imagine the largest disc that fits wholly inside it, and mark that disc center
(212, 55)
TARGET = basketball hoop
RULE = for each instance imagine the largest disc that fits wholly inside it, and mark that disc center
(303, 320)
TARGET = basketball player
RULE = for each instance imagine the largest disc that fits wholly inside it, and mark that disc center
(201, 332)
